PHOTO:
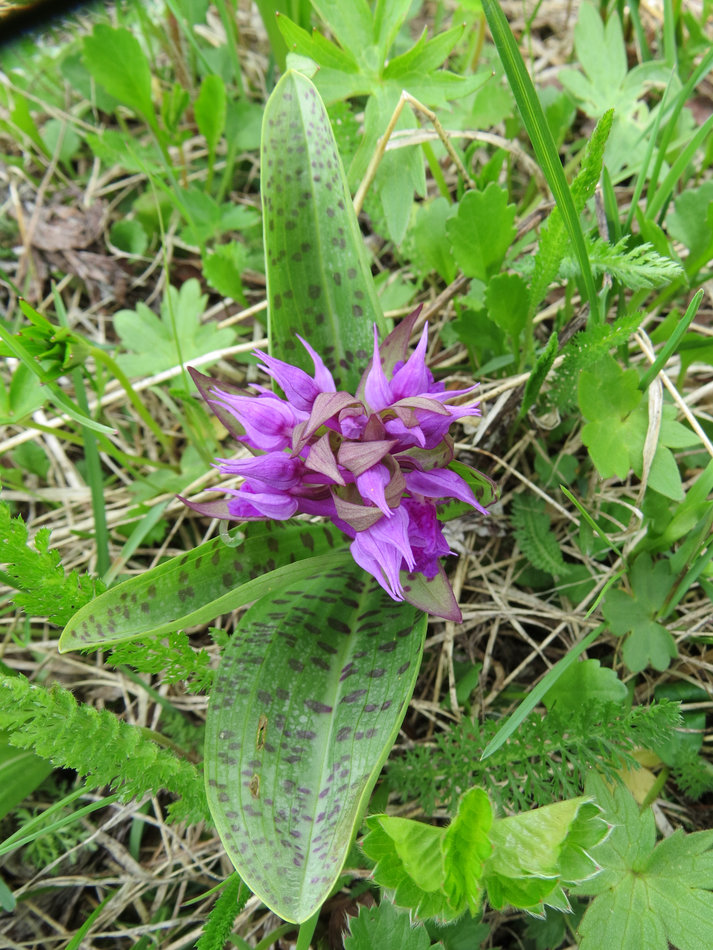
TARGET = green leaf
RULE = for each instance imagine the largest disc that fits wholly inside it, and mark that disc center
(538, 375)
(129, 236)
(117, 62)
(222, 269)
(535, 536)
(384, 926)
(543, 144)
(506, 298)
(647, 643)
(585, 682)
(37, 574)
(199, 586)
(553, 234)
(21, 398)
(210, 109)
(20, 774)
(650, 896)
(177, 336)
(434, 871)
(482, 230)
(537, 851)
(308, 699)
(607, 395)
(318, 278)
(432, 247)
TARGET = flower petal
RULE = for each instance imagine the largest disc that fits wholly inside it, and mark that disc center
(275, 469)
(322, 377)
(441, 483)
(360, 456)
(376, 387)
(268, 421)
(321, 459)
(371, 485)
(248, 505)
(299, 387)
(413, 377)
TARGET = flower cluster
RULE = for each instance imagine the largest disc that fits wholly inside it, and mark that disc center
(374, 463)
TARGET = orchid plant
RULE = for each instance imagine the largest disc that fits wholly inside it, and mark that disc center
(338, 551)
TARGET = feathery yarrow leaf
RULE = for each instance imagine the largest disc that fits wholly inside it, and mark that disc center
(101, 748)
(35, 572)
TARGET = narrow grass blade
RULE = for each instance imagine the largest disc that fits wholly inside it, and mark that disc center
(669, 347)
(543, 144)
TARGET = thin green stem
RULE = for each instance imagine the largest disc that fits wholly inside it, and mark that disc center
(306, 933)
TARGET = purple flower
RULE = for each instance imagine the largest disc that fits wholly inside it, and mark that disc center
(375, 463)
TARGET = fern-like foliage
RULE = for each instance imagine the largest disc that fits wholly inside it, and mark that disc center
(546, 760)
(535, 536)
(101, 748)
(36, 574)
(584, 350)
(219, 924)
(172, 657)
(638, 268)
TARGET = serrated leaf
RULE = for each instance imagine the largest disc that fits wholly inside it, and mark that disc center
(482, 230)
(433, 871)
(536, 851)
(318, 278)
(177, 336)
(650, 896)
(607, 396)
(308, 699)
(384, 926)
(199, 586)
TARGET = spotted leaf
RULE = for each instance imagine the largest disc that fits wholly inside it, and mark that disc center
(307, 702)
(318, 278)
(210, 580)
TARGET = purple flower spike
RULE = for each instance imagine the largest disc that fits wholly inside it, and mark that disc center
(375, 464)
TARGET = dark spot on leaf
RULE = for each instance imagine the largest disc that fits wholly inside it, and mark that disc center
(317, 707)
(295, 664)
(344, 733)
(185, 593)
(403, 667)
(228, 579)
(353, 697)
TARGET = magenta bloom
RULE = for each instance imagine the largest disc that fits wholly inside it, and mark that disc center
(374, 463)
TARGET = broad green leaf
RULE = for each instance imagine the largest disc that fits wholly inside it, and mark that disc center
(384, 926)
(117, 62)
(482, 231)
(199, 586)
(319, 281)
(425, 55)
(650, 896)
(308, 698)
(465, 848)
(432, 247)
(351, 23)
(210, 110)
(584, 683)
